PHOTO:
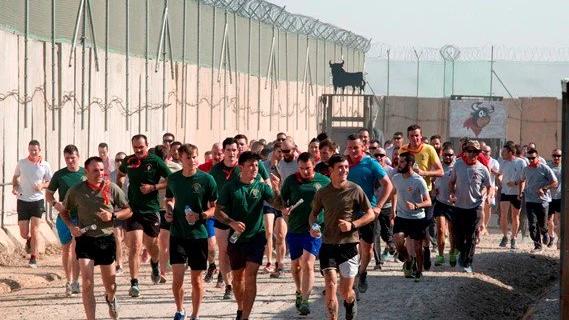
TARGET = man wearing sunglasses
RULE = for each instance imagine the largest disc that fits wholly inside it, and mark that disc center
(555, 205)
(536, 181)
(397, 143)
(494, 167)
(469, 186)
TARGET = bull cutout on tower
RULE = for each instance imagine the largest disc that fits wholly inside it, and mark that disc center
(342, 79)
(479, 118)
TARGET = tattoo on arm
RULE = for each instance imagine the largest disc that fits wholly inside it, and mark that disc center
(221, 216)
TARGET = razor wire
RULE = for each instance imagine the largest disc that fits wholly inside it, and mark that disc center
(272, 14)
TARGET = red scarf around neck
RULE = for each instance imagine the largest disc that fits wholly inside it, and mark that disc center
(535, 164)
(103, 187)
(37, 162)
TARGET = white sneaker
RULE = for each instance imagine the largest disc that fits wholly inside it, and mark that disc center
(68, 289)
(75, 287)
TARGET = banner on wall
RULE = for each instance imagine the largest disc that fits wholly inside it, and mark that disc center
(477, 119)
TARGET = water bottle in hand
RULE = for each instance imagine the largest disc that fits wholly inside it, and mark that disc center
(316, 228)
(234, 236)
(188, 211)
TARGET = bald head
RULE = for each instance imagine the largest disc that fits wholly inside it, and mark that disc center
(217, 153)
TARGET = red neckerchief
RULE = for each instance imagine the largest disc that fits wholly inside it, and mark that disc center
(300, 179)
(103, 187)
(355, 163)
(317, 159)
(135, 162)
(38, 162)
(414, 152)
(228, 172)
(535, 164)
(468, 162)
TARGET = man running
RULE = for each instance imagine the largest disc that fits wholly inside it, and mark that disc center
(61, 181)
(303, 248)
(411, 197)
(144, 172)
(31, 176)
(494, 168)
(555, 205)
(195, 190)
(536, 181)
(327, 149)
(468, 188)
(342, 201)
(247, 237)
(95, 200)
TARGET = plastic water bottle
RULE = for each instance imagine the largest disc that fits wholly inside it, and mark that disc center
(316, 228)
(234, 237)
(189, 211)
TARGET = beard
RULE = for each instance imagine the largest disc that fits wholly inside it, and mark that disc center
(403, 170)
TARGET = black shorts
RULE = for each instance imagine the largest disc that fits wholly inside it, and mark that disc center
(412, 228)
(26, 210)
(117, 223)
(163, 223)
(148, 223)
(192, 251)
(271, 210)
(342, 257)
(366, 233)
(102, 250)
(219, 225)
(554, 206)
(251, 251)
(443, 210)
(513, 199)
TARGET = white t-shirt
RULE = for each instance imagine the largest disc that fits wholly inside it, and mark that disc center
(32, 173)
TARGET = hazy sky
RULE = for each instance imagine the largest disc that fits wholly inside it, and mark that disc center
(422, 23)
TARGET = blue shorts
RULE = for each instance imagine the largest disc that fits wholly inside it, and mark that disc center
(297, 242)
(63, 231)
(209, 225)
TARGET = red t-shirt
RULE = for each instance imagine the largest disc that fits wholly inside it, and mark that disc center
(206, 167)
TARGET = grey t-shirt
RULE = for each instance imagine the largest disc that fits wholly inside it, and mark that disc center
(537, 177)
(511, 171)
(556, 192)
(390, 173)
(441, 184)
(469, 183)
(287, 168)
(410, 189)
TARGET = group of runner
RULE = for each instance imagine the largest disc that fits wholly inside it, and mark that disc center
(328, 204)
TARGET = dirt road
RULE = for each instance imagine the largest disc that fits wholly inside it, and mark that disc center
(504, 285)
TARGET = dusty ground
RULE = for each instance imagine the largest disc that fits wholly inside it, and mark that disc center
(504, 285)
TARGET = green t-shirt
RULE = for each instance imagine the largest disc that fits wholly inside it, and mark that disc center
(146, 171)
(222, 174)
(196, 191)
(64, 179)
(295, 188)
(244, 202)
(88, 201)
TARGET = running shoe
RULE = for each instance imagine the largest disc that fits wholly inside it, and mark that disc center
(408, 269)
(277, 274)
(551, 241)
(504, 242)
(113, 308)
(155, 275)
(546, 239)
(32, 263)
(461, 258)
(535, 251)
(68, 289)
(385, 255)
(162, 277)
(427, 258)
(269, 268)
(351, 309)
(362, 283)
(75, 287)
(377, 267)
(298, 300)
(118, 270)
(513, 244)
(219, 281)
(468, 269)
(134, 291)
(452, 259)
(210, 271)
(418, 276)
(239, 315)
(228, 295)
(304, 308)
(180, 315)
(439, 261)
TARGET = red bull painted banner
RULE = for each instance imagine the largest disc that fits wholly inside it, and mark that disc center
(477, 119)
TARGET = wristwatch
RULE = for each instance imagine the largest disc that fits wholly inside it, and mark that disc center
(114, 216)
(416, 207)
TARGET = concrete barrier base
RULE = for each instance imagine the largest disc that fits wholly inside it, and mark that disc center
(11, 239)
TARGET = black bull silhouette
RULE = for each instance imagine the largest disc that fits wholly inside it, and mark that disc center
(341, 78)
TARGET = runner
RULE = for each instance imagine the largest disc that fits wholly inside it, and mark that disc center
(327, 149)
(246, 250)
(342, 201)
(443, 210)
(194, 189)
(555, 205)
(31, 176)
(94, 201)
(103, 149)
(62, 180)
(144, 172)
(510, 176)
(303, 248)
(490, 203)
(363, 134)
(468, 187)
(536, 181)
(411, 197)
(314, 149)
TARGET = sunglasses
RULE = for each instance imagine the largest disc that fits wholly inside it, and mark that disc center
(531, 158)
(285, 150)
(379, 155)
(373, 148)
(118, 160)
(281, 139)
(556, 155)
(167, 141)
(448, 154)
(473, 151)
